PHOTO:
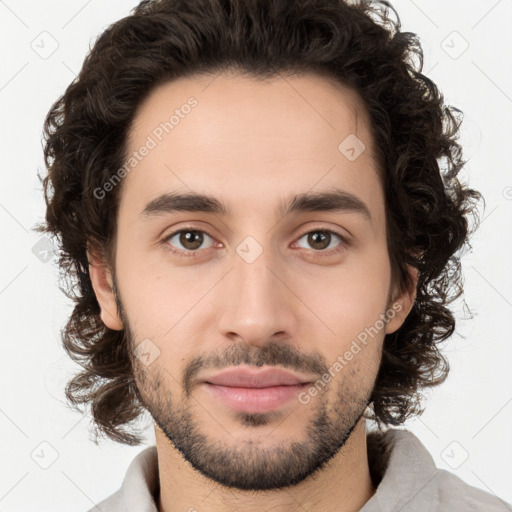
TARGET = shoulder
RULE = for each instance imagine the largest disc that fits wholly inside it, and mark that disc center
(114, 503)
(406, 478)
(455, 494)
(139, 486)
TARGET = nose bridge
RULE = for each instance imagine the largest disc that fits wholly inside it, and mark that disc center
(254, 282)
(254, 279)
(256, 304)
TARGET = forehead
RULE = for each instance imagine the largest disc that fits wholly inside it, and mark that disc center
(232, 135)
(237, 106)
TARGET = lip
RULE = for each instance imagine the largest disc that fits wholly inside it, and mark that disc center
(255, 391)
(256, 378)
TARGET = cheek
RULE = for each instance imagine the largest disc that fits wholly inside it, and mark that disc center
(348, 299)
(164, 309)
(155, 295)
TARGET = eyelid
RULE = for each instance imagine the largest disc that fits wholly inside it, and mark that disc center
(329, 253)
(180, 252)
(342, 233)
(345, 240)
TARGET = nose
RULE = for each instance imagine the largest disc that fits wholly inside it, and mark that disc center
(257, 302)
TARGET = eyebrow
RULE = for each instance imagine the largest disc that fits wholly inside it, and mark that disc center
(332, 200)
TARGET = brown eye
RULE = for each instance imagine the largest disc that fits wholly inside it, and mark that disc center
(190, 240)
(321, 239)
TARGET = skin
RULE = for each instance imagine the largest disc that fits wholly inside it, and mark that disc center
(253, 144)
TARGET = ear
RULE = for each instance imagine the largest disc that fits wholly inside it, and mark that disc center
(402, 305)
(101, 279)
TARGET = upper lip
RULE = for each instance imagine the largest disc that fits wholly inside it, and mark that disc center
(260, 378)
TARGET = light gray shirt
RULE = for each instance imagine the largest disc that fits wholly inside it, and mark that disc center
(402, 470)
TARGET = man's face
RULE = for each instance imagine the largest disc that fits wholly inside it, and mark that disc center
(253, 288)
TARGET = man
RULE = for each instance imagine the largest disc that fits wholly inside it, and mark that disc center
(249, 198)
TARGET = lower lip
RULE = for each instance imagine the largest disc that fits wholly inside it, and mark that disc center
(253, 400)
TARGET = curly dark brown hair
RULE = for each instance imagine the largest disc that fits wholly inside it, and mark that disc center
(360, 46)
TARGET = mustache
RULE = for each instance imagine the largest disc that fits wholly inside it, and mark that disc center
(273, 354)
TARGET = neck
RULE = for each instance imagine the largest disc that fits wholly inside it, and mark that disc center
(343, 484)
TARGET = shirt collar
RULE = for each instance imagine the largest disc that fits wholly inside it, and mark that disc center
(403, 472)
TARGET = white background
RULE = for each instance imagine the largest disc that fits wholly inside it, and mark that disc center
(469, 416)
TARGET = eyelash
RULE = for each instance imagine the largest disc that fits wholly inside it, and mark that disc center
(322, 253)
